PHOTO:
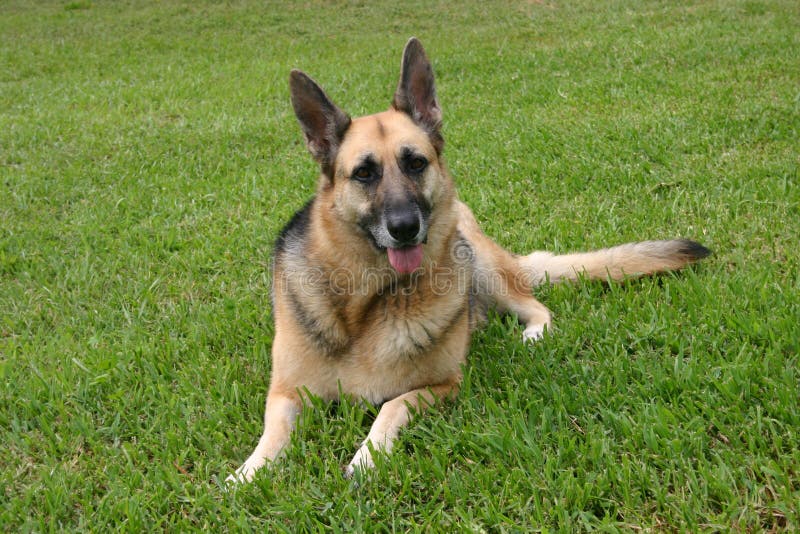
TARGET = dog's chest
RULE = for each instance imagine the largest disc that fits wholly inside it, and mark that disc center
(405, 343)
(405, 325)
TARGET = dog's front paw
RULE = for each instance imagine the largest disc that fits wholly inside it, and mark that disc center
(361, 461)
(533, 332)
(246, 472)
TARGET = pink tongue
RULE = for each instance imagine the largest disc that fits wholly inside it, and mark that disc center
(406, 260)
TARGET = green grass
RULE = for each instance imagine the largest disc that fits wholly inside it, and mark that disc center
(149, 157)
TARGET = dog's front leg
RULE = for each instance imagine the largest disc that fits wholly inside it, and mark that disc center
(279, 418)
(394, 415)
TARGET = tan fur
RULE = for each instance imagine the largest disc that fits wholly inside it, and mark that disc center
(347, 322)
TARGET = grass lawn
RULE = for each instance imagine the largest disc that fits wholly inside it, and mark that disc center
(149, 156)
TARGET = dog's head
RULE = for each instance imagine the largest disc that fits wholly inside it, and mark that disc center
(383, 172)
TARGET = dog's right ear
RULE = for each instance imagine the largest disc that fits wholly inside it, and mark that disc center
(323, 123)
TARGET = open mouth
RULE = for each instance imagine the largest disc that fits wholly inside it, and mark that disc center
(405, 260)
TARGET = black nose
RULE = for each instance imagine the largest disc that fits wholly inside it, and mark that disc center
(403, 225)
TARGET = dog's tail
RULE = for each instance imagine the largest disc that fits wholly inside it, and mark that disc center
(615, 263)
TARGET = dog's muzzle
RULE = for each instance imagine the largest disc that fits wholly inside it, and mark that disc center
(401, 232)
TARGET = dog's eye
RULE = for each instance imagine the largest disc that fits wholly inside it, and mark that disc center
(417, 164)
(362, 174)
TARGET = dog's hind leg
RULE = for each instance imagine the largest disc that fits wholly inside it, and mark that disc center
(279, 418)
(509, 290)
(500, 279)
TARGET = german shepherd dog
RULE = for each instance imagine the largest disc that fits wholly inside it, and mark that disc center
(380, 279)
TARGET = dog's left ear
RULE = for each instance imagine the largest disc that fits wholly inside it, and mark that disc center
(416, 92)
